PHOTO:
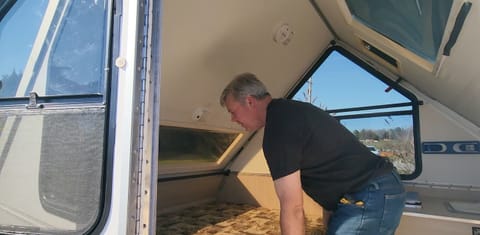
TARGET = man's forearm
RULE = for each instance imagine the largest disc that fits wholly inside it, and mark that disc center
(292, 221)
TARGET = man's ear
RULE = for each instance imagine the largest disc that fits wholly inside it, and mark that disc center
(250, 101)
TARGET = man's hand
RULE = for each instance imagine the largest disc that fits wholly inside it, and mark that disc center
(290, 193)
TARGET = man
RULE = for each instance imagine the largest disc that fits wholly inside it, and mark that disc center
(308, 150)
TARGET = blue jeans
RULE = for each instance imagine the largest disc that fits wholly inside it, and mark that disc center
(376, 209)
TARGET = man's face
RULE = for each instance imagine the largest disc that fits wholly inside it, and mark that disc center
(242, 113)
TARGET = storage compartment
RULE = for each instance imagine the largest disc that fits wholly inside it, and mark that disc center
(445, 209)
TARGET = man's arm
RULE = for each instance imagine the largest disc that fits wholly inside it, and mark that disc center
(290, 194)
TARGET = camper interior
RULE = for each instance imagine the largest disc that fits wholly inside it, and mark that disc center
(375, 65)
(110, 120)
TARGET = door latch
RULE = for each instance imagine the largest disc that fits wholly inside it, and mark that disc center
(32, 101)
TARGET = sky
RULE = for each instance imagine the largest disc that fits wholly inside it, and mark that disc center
(340, 83)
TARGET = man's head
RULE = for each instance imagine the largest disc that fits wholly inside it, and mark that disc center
(246, 99)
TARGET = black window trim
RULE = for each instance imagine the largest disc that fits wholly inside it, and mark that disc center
(57, 100)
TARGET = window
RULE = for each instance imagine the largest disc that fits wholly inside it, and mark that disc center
(192, 146)
(23, 18)
(416, 25)
(382, 118)
(59, 52)
(52, 156)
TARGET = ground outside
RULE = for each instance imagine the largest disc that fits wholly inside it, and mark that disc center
(227, 219)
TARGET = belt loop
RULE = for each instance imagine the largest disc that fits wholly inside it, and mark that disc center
(375, 184)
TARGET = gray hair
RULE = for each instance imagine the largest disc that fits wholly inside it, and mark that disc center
(243, 85)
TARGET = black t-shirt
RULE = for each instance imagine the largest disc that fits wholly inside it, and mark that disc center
(332, 162)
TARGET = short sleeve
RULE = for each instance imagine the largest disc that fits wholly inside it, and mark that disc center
(283, 142)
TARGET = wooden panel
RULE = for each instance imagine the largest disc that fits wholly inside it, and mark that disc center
(179, 194)
(258, 189)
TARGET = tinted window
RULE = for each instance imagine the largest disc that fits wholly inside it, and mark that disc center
(416, 25)
(185, 145)
(24, 19)
(53, 48)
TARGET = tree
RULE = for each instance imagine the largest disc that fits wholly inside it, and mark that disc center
(308, 95)
(357, 133)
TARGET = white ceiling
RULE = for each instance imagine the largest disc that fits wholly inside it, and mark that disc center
(206, 43)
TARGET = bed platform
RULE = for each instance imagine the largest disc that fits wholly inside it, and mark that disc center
(226, 218)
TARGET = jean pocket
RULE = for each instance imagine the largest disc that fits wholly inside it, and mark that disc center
(392, 212)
